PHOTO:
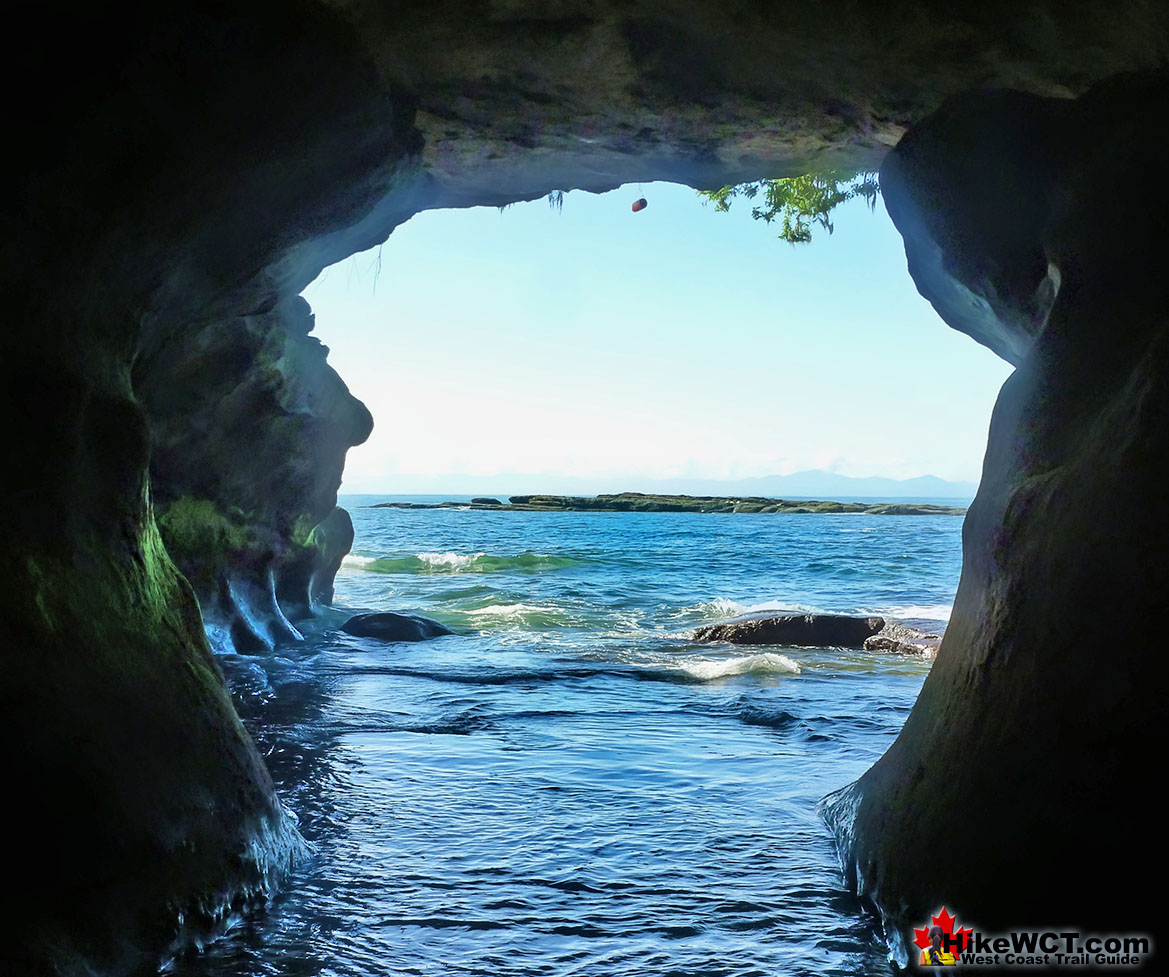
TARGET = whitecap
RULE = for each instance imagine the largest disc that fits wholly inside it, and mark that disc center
(506, 610)
(718, 608)
(453, 560)
(920, 612)
(768, 663)
(784, 607)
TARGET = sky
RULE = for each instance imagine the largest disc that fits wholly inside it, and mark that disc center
(636, 349)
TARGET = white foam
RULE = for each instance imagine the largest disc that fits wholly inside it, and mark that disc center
(770, 663)
(507, 610)
(353, 560)
(788, 607)
(923, 612)
(455, 561)
(719, 607)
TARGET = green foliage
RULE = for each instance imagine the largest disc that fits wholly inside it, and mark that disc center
(799, 202)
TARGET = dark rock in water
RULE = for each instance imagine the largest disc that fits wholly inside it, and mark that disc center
(485, 501)
(641, 502)
(899, 639)
(394, 627)
(817, 630)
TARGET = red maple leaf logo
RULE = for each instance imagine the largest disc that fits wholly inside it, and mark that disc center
(946, 922)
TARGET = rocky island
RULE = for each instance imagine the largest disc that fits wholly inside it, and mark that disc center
(639, 502)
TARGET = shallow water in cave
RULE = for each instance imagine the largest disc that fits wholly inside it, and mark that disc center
(569, 785)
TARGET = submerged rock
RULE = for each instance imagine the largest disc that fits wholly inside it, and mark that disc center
(816, 630)
(394, 627)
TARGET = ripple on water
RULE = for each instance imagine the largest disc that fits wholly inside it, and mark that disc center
(570, 788)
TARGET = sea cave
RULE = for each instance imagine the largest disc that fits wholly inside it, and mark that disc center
(181, 438)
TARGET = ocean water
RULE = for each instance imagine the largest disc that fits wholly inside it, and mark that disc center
(570, 786)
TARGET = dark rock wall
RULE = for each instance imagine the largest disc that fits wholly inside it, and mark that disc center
(515, 99)
(1017, 790)
(176, 183)
(249, 428)
(171, 167)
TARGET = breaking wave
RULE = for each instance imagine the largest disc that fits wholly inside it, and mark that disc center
(768, 663)
(420, 563)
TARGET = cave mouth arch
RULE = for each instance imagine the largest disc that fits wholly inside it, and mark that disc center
(451, 722)
(681, 349)
(202, 167)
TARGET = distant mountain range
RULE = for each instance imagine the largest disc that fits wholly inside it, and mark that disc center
(827, 483)
(810, 484)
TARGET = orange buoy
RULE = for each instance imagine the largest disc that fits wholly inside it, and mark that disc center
(639, 204)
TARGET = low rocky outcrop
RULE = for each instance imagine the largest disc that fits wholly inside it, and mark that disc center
(900, 639)
(394, 627)
(812, 630)
(641, 502)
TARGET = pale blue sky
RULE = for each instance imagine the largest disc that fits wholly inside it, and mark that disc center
(675, 342)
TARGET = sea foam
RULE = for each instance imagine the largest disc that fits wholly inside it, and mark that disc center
(455, 561)
(920, 612)
(768, 663)
(433, 562)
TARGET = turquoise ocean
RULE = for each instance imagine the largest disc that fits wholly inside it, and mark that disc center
(568, 785)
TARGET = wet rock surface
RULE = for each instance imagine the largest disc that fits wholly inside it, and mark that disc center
(249, 427)
(179, 168)
(901, 639)
(1019, 749)
(813, 630)
(388, 626)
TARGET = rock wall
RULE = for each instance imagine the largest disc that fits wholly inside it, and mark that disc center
(176, 432)
(1016, 791)
(167, 181)
(249, 427)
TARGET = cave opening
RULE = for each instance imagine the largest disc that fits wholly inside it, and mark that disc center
(678, 349)
(595, 785)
